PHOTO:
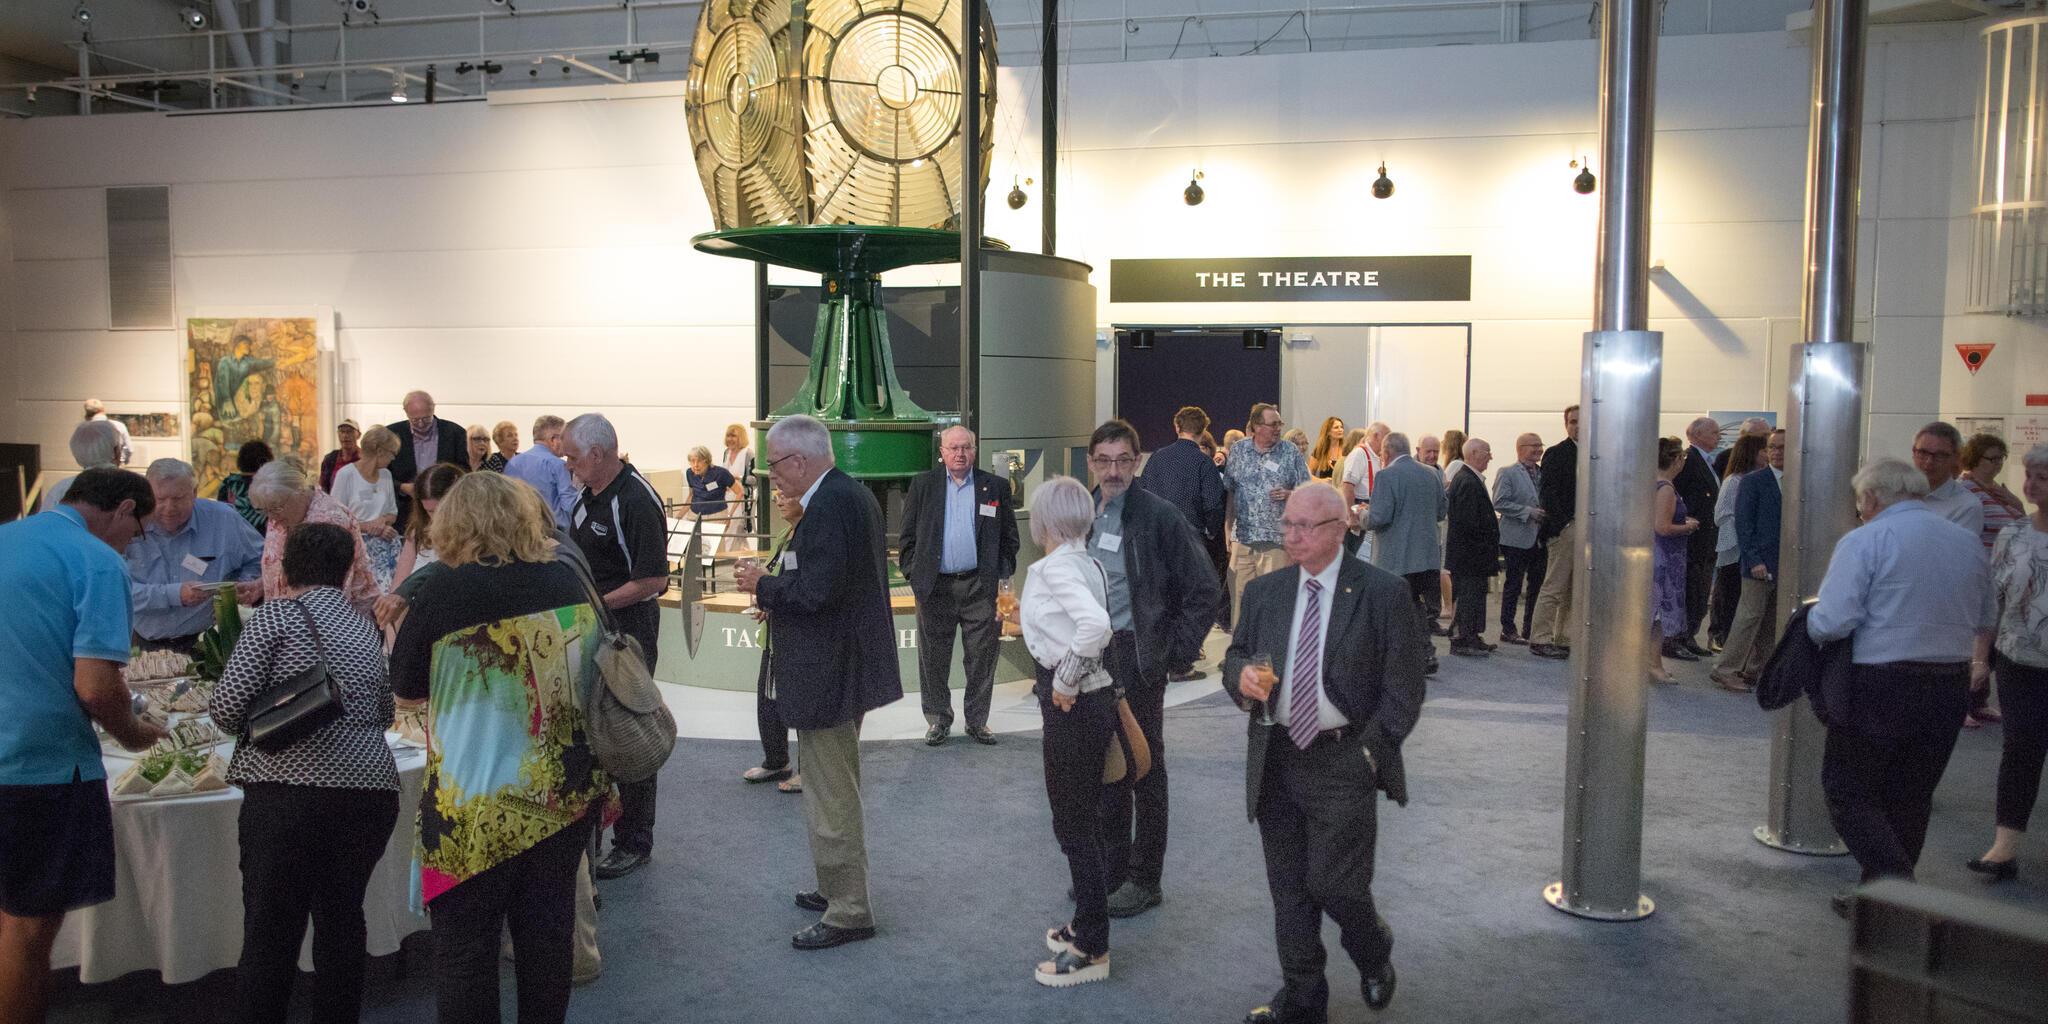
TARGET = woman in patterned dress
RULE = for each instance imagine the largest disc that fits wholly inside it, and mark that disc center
(287, 497)
(500, 646)
(1673, 529)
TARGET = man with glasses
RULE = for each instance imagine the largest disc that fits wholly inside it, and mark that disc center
(1936, 451)
(1330, 661)
(1162, 598)
(1260, 472)
(959, 541)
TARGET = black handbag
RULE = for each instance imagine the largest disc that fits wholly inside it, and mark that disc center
(300, 706)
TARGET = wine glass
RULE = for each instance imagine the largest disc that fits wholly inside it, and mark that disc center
(1263, 664)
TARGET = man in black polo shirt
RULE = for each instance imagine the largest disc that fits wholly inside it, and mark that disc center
(621, 529)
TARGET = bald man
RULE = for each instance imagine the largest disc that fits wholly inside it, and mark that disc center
(959, 542)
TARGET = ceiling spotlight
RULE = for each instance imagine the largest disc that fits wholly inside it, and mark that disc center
(358, 6)
(82, 15)
(1382, 186)
(1017, 198)
(1584, 183)
(1193, 194)
(399, 91)
(192, 18)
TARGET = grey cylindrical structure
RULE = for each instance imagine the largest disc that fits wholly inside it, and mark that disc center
(1621, 376)
(1822, 435)
(1628, 92)
(1620, 395)
(1049, 136)
(1824, 423)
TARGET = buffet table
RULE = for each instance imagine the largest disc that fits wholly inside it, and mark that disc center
(177, 906)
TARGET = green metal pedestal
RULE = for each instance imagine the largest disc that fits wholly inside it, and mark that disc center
(878, 433)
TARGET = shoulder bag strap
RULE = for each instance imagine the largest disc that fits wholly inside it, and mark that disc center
(568, 552)
(319, 648)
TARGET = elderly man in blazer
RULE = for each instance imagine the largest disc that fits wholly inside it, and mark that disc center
(1516, 498)
(1408, 500)
(835, 661)
(959, 541)
(1347, 653)
(423, 440)
(1699, 487)
(1471, 549)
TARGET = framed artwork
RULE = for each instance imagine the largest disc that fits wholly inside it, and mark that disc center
(256, 376)
(148, 424)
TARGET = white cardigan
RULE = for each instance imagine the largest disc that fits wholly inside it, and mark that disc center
(1064, 614)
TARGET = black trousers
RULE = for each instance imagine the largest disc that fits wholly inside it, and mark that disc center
(307, 852)
(633, 832)
(180, 644)
(1075, 742)
(1699, 589)
(1219, 556)
(967, 603)
(1727, 593)
(1880, 769)
(1468, 599)
(1134, 815)
(1427, 586)
(1318, 824)
(534, 895)
(1524, 581)
(2023, 697)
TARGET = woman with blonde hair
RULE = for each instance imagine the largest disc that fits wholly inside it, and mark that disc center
(500, 646)
(366, 488)
(506, 436)
(1327, 457)
(479, 447)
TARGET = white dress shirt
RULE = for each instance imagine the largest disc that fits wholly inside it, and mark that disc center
(1959, 505)
(1909, 585)
(1064, 614)
(1327, 715)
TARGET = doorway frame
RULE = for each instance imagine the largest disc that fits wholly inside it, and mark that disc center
(1212, 327)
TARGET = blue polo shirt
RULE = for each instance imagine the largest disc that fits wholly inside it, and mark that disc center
(68, 598)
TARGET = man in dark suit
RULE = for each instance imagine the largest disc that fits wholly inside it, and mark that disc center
(1754, 425)
(1699, 487)
(1551, 634)
(1471, 549)
(959, 541)
(835, 661)
(1759, 511)
(423, 439)
(1346, 686)
(1187, 477)
(1162, 597)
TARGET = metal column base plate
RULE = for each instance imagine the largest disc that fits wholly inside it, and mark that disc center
(1762, 834)
(1553, 894)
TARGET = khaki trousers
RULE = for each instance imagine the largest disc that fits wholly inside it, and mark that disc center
(832, 808)
(1553, 621)
(1754, 632)
(1247, 563)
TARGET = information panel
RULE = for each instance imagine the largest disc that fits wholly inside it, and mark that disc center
(1293, 279)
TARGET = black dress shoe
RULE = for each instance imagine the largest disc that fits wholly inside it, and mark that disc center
(1510, 638)
(811, 900)
(936, 735)
(981, 734)
(1694, 646)
(825, 936)
(1551, 651)
(1467, 649)
(1379, 987)
(1677, 652)
(1999, 870)
(620, 863)
(1429, 667)
(1269, 1015)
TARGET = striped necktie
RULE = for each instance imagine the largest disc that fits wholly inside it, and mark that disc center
(1305, 685)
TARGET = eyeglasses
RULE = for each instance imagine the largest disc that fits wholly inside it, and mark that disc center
(1120, 462)
(1928, 453)
(772, 463)
(1296, 526)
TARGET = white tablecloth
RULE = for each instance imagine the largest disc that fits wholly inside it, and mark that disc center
(177, 906)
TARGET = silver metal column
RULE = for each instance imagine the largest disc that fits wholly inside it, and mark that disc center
(1620, 392)
(1824, 423)
(971, 199)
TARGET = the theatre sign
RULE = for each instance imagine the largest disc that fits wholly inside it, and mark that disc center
(1293, 279)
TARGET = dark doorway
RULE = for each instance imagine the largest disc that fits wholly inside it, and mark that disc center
(1214, 369)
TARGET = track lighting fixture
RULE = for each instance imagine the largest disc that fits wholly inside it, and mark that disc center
(1382, 186)
(399, 91)
(1193, 194)
(31, 94)
(1255, 341)
(1017, 198)
(82, 15)
(192, 18)
(1585, 182)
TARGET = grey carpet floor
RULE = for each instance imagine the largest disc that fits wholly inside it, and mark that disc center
(965, 877)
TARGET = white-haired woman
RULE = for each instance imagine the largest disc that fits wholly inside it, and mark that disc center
(1064, 613)
(94, 445)
(288, 497)
(2019, 576)
(366, 489)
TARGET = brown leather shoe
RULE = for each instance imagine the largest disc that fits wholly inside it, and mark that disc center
(1735, 683)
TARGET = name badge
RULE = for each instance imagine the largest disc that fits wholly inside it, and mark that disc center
(1110, 541)
(789, 561)
(989, 510)
(1270, 465)
(194, 565)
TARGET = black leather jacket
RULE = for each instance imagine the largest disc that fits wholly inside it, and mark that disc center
(1174, 592)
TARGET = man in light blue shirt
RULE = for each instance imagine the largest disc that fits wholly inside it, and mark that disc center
(1912, 593)
(541, 467)
(187, 543)
(62, 644)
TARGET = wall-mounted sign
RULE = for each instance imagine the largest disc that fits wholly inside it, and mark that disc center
(1975, 355)
(1293, 279)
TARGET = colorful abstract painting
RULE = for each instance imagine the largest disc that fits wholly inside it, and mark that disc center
(251, 379)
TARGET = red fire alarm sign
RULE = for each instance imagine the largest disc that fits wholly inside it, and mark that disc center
(1974, 356)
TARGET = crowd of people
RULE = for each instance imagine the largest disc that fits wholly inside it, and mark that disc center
(436, 580)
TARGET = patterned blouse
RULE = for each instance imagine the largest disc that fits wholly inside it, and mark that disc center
(361, 586)
(1251, 475)
(1997, 514)
(495, 462)
(234, 490)
(276, 645)
(2019, 576)
(504, 657)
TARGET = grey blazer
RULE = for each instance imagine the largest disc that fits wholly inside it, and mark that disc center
(1515, 498)
(1408, 501)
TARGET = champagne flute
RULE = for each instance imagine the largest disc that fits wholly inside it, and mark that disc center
(1006, 600)
(1263, 664)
